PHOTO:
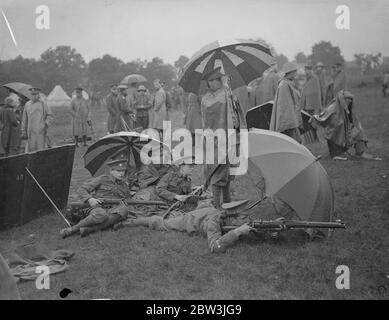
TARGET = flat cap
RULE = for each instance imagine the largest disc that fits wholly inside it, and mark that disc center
(34, 90)
(119, 164)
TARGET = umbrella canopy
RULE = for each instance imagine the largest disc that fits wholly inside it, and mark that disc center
(133, 78)
(292, 174)
(242, 60)
(113, 145)
(21, 88)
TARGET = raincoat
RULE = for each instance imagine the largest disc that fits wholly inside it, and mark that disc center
(311, 95)
(80, 111)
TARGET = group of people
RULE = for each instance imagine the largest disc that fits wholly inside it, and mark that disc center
(134, 107)
(29, 120)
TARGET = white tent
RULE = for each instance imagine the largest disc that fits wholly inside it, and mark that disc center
(58, 98)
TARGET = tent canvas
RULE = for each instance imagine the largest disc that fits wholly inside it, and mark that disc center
(58, 98)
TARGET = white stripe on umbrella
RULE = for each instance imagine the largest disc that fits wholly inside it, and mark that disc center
(200, 68)
(257, 53)
(234, 58)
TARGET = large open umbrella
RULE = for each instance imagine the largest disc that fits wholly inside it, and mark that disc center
(242, 60)
(133, 78)
(129, 144)
(292, 174)
(20, 88)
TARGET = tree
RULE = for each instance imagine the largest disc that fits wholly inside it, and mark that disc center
(105, 71)
(157, 69)
(368, 61)
(181, 62)
(325, 52)
(62, 65)
(301, 58)
(280, 58)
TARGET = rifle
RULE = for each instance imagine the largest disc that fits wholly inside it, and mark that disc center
(284, 225)
(194, 195)
(107, 202)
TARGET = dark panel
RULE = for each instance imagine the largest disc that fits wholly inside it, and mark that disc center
(11, 189)
(52, 168)
(259, 117)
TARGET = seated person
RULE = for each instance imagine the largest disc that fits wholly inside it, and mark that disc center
(175, 184)
(342, 129)
(109, 186)
(207, 222)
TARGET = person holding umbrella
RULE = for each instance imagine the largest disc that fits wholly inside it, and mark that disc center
(218, 113)
(286, 116)
(81, 113)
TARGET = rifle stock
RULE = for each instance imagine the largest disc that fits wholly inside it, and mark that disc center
(83, 205)
(284, 225)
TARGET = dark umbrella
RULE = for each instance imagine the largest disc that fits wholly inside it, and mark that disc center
(129, 144)
(242, 60)
(133, 78)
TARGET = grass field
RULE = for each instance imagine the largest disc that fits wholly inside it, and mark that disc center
(139, 263)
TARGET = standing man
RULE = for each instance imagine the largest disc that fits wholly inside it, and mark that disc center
(142, 105)
(218, 113)
(81, 116)
(285, 117)
(321, 75)
(270, 83)
(126, 115)
(311, 93)
(37, 118)
(10, 134)
(385, 84)
(160, 113)
(113, 108)
(340, 80)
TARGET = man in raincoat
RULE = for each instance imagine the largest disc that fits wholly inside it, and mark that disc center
(10, 134)
(193, 116)
(219, 111)
(160, 112)
(321, 75)
(113, 109)
(270, 84)
(311, 93)
(286, 117)
(81, 116)
(126, 114)
(37, 118)
(340, 79)
(142, 105)
(342, 129)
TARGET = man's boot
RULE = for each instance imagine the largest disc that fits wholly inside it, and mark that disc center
(226, 193)
(84, 140)
(216, 192)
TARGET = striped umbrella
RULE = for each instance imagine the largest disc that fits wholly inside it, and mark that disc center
(242, 60)
(132, 145)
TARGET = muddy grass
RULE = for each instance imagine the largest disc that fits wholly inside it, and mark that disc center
(142, 264)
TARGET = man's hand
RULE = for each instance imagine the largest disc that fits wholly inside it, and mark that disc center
(243, 229)
(94, 202)
(181, 197)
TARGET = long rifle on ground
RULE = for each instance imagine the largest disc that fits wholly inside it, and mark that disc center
(108, 202)
(284, 225)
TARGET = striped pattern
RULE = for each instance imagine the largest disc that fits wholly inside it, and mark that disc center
(113, 145)
(242, 60)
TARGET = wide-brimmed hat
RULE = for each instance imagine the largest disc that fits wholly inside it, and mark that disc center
(320, 64)
(234, 205)
(142, 87)
(289, 67)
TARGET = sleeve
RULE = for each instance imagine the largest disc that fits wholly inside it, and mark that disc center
(49, 114)
(158, 100)
(84, 192)
(217, 242)
(24, 122)
(11, 115)
(89, 111)
(110, 106)
(162, 190)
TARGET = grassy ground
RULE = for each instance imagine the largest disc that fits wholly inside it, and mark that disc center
(139, 264)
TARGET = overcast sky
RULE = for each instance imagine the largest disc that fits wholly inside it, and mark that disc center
(131, 29)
